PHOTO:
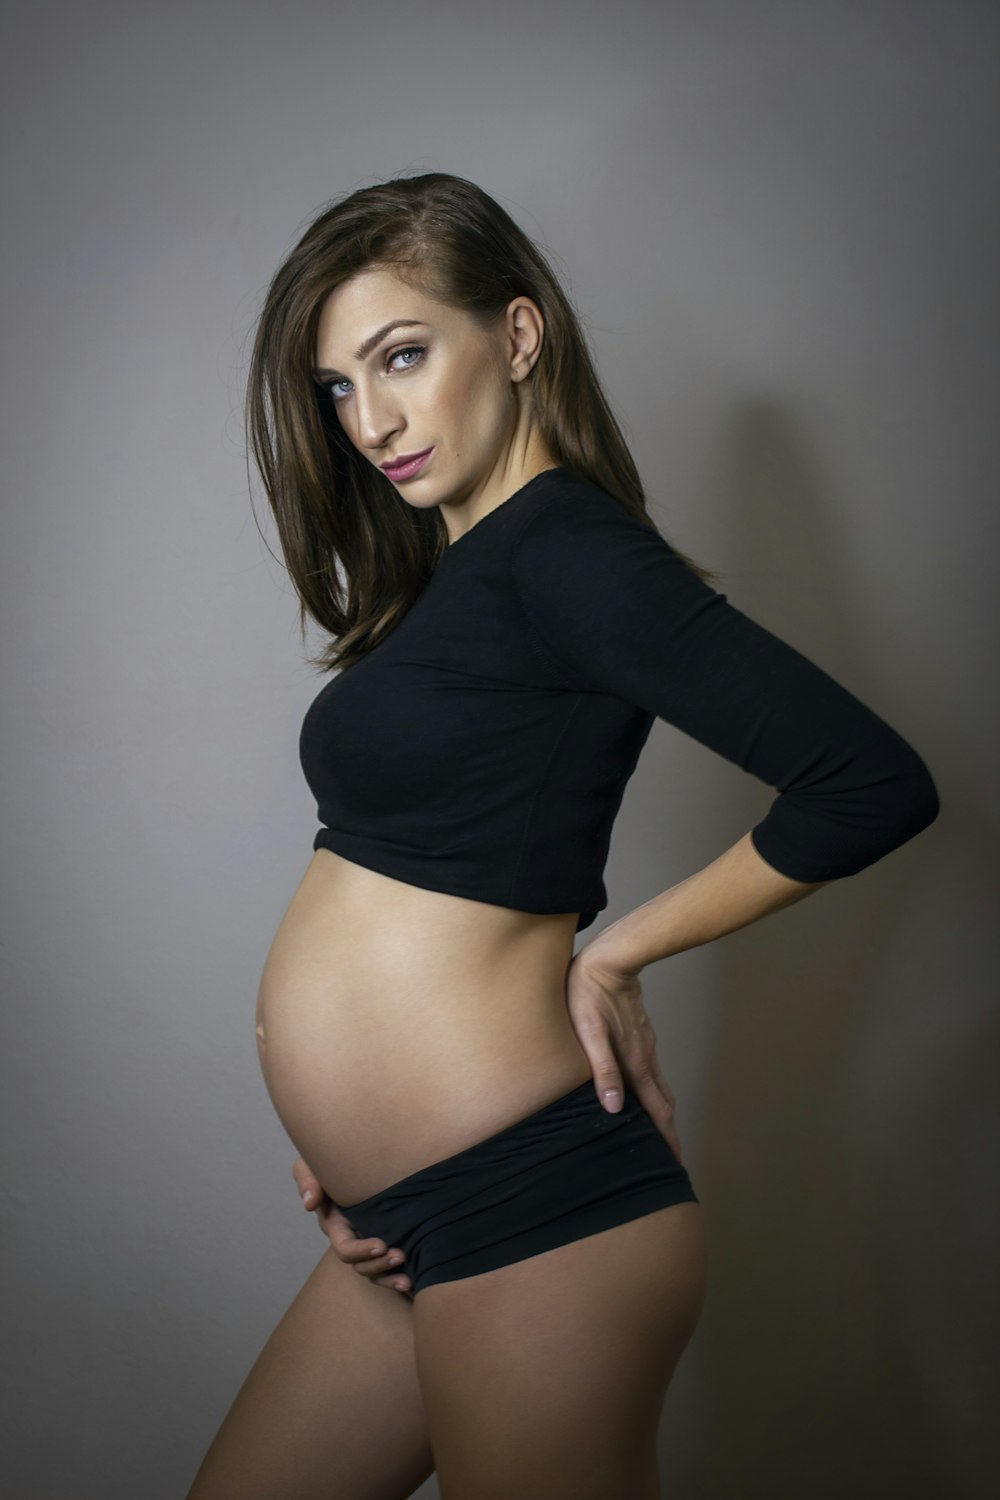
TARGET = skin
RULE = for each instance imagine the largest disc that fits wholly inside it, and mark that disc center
(464, 394)
(444, 383)
(545, 1377)
(604, 997)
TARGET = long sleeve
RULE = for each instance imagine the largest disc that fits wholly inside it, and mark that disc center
(617, 610)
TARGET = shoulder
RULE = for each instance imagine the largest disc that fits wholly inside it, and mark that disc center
(574, 526)
(581, 560)
(568, 510)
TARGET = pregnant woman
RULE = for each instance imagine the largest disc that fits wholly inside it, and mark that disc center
(461, 517)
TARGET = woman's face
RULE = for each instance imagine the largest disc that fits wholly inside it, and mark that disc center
(441, 383)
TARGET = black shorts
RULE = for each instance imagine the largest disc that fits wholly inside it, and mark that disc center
(566, 1171)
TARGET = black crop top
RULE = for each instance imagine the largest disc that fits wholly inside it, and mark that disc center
(483, 747)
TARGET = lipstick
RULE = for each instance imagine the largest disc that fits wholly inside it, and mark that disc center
(407, 467)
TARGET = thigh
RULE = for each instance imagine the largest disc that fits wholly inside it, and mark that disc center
(332, 1405)
(546, 1377)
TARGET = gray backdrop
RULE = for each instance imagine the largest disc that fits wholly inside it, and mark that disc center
(779, 223)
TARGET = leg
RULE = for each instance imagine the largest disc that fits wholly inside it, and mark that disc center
(332, 1406)
(545, 1378)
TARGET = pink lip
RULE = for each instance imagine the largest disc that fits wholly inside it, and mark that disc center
(405, 468)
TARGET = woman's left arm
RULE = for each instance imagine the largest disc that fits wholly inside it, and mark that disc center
(617, 612)
(604, 996)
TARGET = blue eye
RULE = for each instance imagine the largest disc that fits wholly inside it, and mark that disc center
(418, 349)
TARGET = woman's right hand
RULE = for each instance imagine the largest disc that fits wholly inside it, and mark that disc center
(372, 1257)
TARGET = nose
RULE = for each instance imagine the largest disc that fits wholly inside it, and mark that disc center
(377, 415)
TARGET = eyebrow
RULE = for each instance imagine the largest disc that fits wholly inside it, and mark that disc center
(363, 350)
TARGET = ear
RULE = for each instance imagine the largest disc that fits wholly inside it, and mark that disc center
(525, 329)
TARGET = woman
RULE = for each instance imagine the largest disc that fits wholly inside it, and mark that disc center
(461, 516)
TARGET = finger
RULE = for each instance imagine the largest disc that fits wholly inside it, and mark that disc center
(386, 1270)
(303, 1173)
(343, 1236)
(669, 1127)
(373, 1267)
(370, 1256)
(395, 1283)
(654, 1063)
(608, 1081)
(647, 1090)
(352, 1249)
(310, 1188)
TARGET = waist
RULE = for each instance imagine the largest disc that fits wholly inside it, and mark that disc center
(368, 926)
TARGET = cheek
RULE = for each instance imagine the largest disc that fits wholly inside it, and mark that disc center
(345, 422)
(471, 399)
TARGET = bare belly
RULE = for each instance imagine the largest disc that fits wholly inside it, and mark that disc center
(396, 1025)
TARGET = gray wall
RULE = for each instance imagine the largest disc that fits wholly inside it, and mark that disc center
(779, 222)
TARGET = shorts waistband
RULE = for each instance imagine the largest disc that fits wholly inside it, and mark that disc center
(568, 1108)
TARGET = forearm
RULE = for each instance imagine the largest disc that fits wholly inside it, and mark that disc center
(734, 890)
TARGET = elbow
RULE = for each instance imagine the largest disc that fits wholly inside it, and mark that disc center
(914, 806)
(818, 839)
(831, 842)
(925, 804)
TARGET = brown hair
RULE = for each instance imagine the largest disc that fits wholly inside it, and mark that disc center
(331, 505)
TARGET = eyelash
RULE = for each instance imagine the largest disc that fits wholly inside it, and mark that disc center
(419, 349)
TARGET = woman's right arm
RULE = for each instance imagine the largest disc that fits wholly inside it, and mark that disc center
(371, 1258)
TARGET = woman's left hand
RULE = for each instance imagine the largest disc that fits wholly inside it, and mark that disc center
(608, 1015)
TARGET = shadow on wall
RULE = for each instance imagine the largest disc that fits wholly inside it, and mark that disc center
(807, 1378)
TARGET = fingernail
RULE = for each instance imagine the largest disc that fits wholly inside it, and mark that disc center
(377, 1250)
(395, 1258)
(614, 1100)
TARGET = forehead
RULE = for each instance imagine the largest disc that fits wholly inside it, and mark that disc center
(359, 306)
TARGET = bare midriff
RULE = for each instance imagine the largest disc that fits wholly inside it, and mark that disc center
(397, 1025)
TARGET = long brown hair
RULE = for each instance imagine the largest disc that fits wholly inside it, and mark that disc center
(332, 506)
